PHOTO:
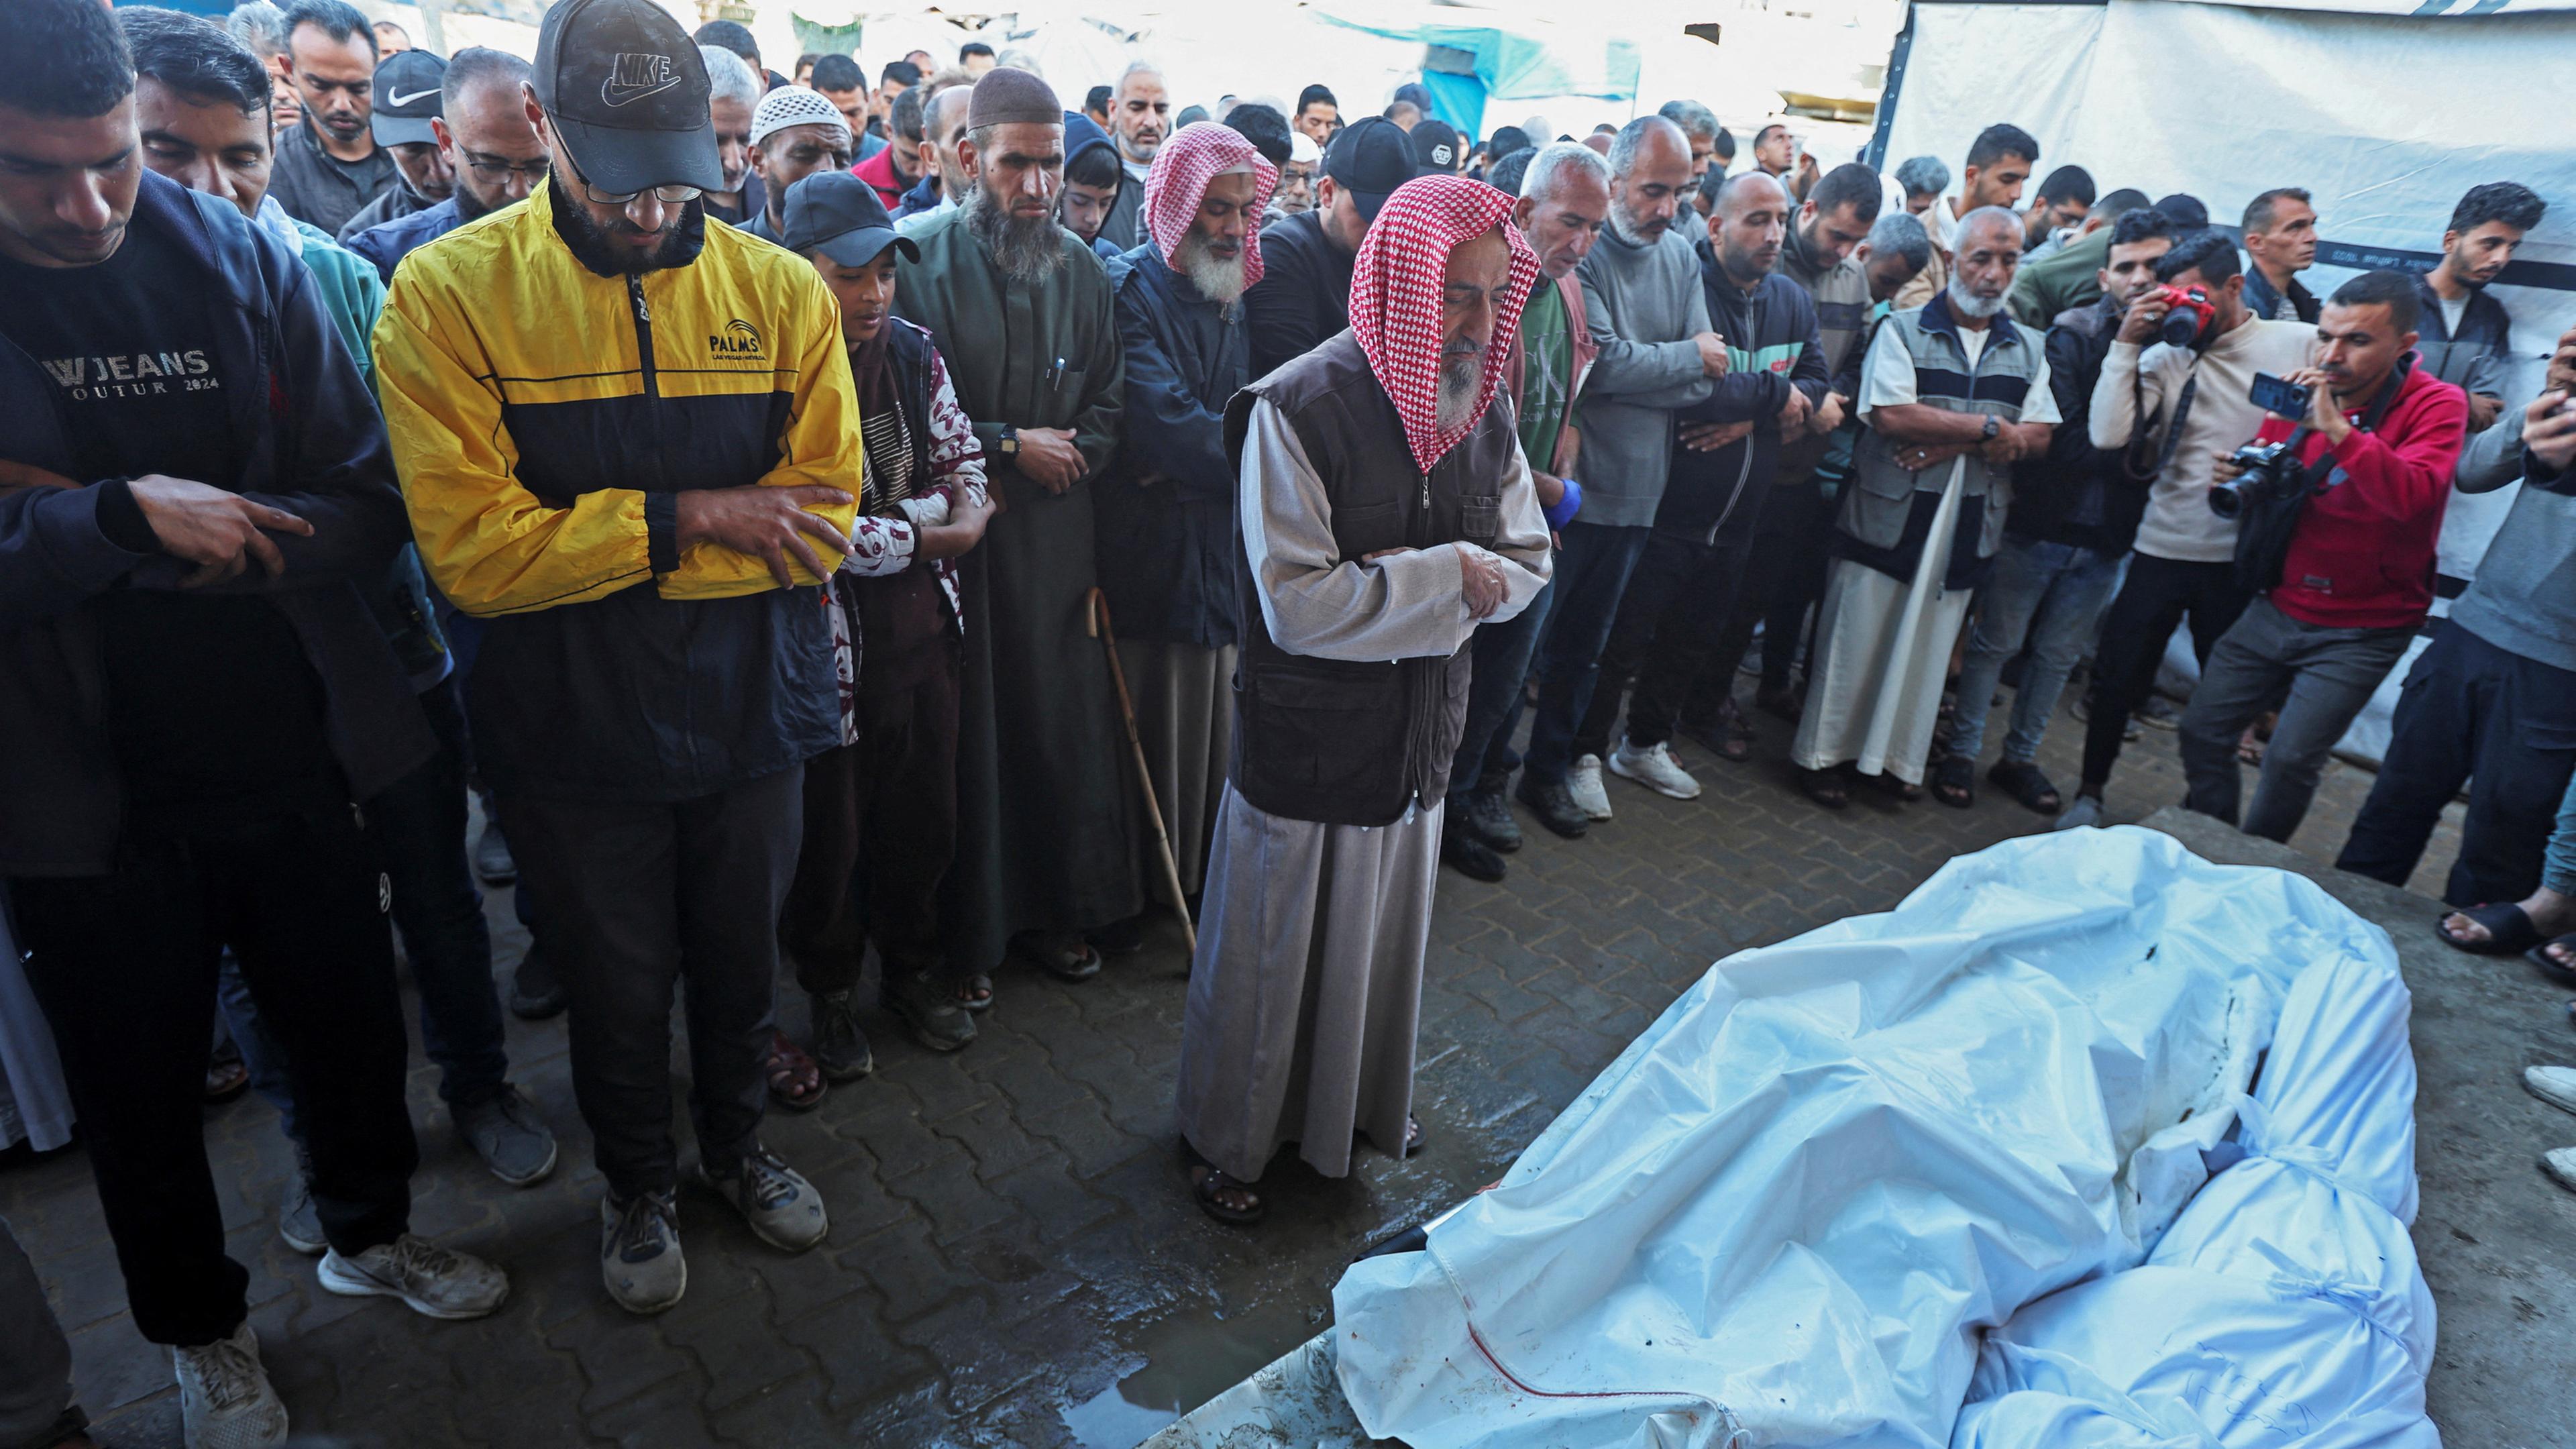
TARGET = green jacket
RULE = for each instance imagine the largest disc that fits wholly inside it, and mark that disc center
(2063, 280)
(349, 291)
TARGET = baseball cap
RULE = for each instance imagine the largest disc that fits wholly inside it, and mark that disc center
(842, 217)
(1436, 146)
(794, 106)
(627, 89)
(407, 95)
(1370, 159)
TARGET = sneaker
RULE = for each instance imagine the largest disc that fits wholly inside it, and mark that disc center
(1553, 804)
(783, 1208)
(504, 1130)
(437, 1282)
(1584, 783)
(2554, 1085)
(535, 992)
(2087, 810)
(493, 863)
(840, 1048)
(2561, 1165)
(1654, 768)
(639, 1251)
(225, 1399)
(1484, 816)
(298, 1225)
(929, 1012)
(1468, 856)
(2158, 713)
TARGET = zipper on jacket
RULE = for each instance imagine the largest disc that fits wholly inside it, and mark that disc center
(643, 333)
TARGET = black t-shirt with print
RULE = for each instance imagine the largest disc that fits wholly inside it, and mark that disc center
(215, 717)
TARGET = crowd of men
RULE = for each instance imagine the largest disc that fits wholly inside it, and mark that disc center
(823, 518)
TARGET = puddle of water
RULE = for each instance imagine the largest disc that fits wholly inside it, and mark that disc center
(1185, 1360)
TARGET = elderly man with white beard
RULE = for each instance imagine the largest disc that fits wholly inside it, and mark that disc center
(1387, 510)
(1951, 395)
(1166, 511)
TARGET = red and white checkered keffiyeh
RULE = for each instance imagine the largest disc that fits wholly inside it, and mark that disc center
(1197, 154)
(1395, 298)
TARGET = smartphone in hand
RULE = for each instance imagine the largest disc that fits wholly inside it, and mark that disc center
(2273, 395)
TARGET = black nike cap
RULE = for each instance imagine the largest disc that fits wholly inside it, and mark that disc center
(1370, 159)
(407, 94)
(627, 90)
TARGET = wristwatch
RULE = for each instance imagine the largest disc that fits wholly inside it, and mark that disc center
(1992, 427)
(1008, 445)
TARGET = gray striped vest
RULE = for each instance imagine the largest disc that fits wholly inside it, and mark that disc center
(1883, 493)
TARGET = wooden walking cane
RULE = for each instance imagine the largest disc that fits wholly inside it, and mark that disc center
(1098, 625)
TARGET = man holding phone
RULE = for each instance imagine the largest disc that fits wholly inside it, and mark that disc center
(2376, 446)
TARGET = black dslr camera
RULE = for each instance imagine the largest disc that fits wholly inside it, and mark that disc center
(2272, 472)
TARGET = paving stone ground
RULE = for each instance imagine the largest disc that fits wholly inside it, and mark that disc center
(1013, 1258)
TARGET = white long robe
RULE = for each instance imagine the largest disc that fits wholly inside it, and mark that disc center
(1306, 991)
(1883, 643)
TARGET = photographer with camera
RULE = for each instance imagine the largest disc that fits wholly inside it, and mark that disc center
(2491, 703)
(2338, 509)
(2175, 393)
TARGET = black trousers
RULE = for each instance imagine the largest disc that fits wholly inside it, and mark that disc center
(880, 829)
(1668, 628)
(2158, 595)
(641, 898)
(1788, 548)
(2504, 724)
(125, 967)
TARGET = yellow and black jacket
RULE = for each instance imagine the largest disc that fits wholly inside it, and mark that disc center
(544, 418)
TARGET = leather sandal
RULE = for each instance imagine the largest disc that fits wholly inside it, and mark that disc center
(795, 1080)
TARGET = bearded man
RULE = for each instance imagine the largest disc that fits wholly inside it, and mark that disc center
(1953, 393)
(629, 441)
(1045, 846)
(1166, 544)
(1387, 509)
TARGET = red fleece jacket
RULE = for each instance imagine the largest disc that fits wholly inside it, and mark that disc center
(878, 171)
(2363, 555)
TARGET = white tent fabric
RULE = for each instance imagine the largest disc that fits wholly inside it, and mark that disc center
(2225, 101)
(1844, 1176)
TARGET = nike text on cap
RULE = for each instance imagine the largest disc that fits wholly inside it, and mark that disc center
(628, 90)
(406, 95)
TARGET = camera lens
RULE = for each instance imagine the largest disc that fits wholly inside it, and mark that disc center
(2225, 500)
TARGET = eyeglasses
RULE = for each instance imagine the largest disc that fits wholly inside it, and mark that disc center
(667, 195)
(532, 172)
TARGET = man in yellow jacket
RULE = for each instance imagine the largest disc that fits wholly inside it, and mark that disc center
(628, 441)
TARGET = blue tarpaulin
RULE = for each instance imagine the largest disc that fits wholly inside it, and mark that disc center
(1512, 65)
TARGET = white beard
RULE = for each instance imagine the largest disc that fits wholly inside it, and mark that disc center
(1968, 304)
(1462, 383)
(1218, 281)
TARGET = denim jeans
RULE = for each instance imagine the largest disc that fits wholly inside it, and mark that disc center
(2050, 596)
(2472, 713)
(35, 1359)
(1592, 571)
(2558, 866)
(419, 825)
(1485, 758)
(2330, 674)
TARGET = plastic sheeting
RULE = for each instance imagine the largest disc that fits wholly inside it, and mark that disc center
(1960, 1154)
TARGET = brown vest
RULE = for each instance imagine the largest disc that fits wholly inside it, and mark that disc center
(1336, 741)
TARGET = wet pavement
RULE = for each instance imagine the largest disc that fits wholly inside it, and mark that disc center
(1014, 1258)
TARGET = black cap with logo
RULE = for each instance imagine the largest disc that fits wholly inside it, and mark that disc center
(1370, 159)
(627, 90)
(407, 94)
(1436, 146)
(842, 217)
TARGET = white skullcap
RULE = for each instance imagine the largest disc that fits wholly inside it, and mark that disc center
(793, 106)
(1302, 150)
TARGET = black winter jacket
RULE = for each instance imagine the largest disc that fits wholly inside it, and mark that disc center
(1167, 550)
(2076, 493)
(314, 446)
(1772, 346)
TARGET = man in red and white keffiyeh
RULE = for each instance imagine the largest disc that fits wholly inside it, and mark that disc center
(1386, 511)
(1217, 247)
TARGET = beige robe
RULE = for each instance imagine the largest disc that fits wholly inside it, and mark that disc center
(1307, 988)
